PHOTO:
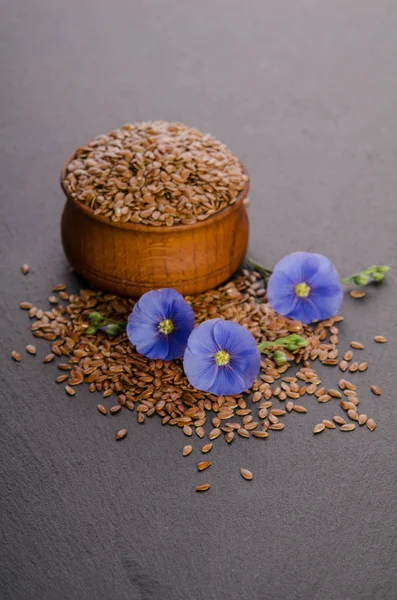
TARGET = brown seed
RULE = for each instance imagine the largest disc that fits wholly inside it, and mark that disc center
(318, 428)
(25, 269)
(107, 393)
(49, 358)
(376, 390)
(288, 407)
(203, 465)
(229, 436)
(357, 345)
(260, 434)
(352, 414)
(242, 432)
(31, 349)
(357, 294)
(278, 412)
(299, 409)
(339, 420)
(102, 409)
(206, 448)
(380, 339)
(53, 300)
(129, 404)
(25, 305)
(115, 409)
(363, 366)
(277, 426)
(203, 487)
(214, 433)
(59, 287)
(187, 430)
(200, 432)
(324, 398)
(121, 434)
(353, 367)
(350, 385)
(334, 393)
(187, 450)
(348, 355)
(348, 427)
(343, 365)
(16, 355)
(328, 424)
(61, 378)
(371, 424)
(69, 390)
(362, 419)
(342, 384)
(246, 474)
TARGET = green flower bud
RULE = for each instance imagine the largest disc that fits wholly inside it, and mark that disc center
(96, 318)
(377, 276)
(383, 269)
(90, 331)
(113, 329)
(361, 279)
(279, 358)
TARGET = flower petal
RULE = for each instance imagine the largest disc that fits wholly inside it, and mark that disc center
(158, 303)
(329, 303)
(200, 369)
(227, 382)
(201, 340)
(247, 365)
(233, 338)
(305, 310)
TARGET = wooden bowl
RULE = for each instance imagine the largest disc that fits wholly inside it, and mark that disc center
(129, 259)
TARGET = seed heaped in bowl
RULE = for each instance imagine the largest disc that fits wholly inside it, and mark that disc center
(155, 173)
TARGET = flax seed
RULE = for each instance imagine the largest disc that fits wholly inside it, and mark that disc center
(339, 420)
(206, 448)
(203, 487)
(201, 466)
(25, 269)
(371, 424)
(318, 428)
(187, 450)
(31, 349)
(376, 390)
(347, 427)
(329, 424)
(121, 434)
(16, 356)
(246, 474)
(380, 339)
(102, 409)
(357, 294)
(69, 390)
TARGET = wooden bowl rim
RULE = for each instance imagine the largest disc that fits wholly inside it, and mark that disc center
(149, 228)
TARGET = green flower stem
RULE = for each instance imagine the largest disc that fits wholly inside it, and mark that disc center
(98, 321)
(374, 273)
(260, 268)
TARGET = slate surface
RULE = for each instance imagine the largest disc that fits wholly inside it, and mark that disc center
(305, 92)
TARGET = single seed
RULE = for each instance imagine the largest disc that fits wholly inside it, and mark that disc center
(49, 358)
(357, 294)
(59, 287)
(329, 424)
(200, 432)
(353, 367)
(363, 366)
(31, 349)
(246, 474)
(203, 487)
(53, 300)
(242, 432)
(61, 378)
(229, 436)
(380, 339)
(324, 398)
(299, 409)
(203, 465)
(277, 426)
(102, 409)
(16, 355)
(260, 434)
(350, 385)
(357, 345)
(343, 365)
(107, 393)
(214, 433)
(318, 428)
(348, 427)
(371, 424)
(362, 419)
(115, 409)
(187, 430)
(352, 414)
(342, 384)
(69, 390)
(348, 355)
(25, 305)
(25, 269)
(206, 448)
(289, 406)
(334, 393)
(376, 390)
(187, 450)
(121, 434)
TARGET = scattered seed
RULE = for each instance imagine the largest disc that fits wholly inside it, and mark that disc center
(343, 365)
(353, 367)
(339, 420)
(102, 409)
(334, 393)
(348, 355)
(380, 339)
(328, 424)
(318, 428)
(203, 487)
(277, 426)
(31, 349)
(376, 390)
(25, 269)
(206, 448)
(299, 409)
(187, 430)
(348, 427)
(59, 287)
(260, 434)
(246, 474)
(214, 433)
(371, 424)
(288, 407)
(363, 366)
(53, 300)
(25, 305)
(115, 409)
(16, 355)
(357, 345)
(357, 294)
(61, 378)
(49, 358)
(69, 390)
(204, 465)
(352, 414)
(229, 436)
(187, 450)
(242, 432)
(121, 434)
(362, 419)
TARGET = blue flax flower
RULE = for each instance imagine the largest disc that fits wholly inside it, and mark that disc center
(160, 324)
(305, 287)
(221, 358)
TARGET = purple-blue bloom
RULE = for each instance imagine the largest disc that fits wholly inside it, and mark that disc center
(221, 358)
(160, 324)
(305, 287)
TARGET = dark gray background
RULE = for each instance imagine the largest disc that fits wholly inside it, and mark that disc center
(305, 92)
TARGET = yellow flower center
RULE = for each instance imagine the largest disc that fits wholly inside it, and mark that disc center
(302, 290)
(166, 326)
(222, 358)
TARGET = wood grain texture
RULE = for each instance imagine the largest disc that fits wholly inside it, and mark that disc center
(129, 259)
